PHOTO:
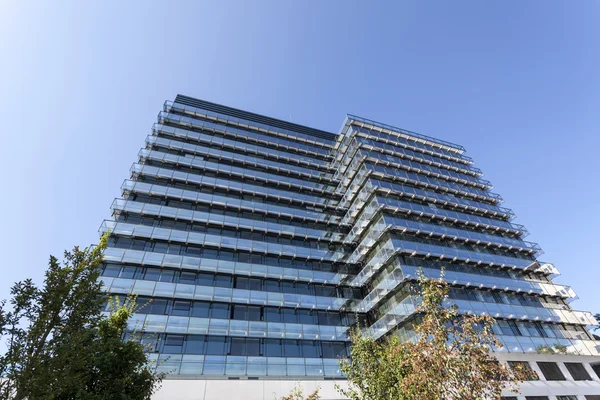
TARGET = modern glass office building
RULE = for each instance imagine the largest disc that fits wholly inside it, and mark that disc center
(255, 244)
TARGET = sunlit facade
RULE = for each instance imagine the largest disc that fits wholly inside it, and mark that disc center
(255, 244)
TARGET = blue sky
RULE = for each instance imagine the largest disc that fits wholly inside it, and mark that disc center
(516, 83)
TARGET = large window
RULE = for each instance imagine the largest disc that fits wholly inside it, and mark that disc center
(173, 344)
(524, 366)
(578, 371)
(551, 371)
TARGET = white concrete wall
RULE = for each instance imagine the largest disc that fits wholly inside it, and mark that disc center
(242, 389)
(266, 389)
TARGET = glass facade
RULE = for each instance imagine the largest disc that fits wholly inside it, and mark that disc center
(255, 244)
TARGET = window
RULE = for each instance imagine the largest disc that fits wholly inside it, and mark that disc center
(551, 371)
(173, 344)
(578, 371)
(141, 304)
(536, 397)
(201, 309)
(219, 310)
(253, 313)
(195, 344)
(309, 349)
(166, 276)
(327, 350)
(112, 270)
(306, 316)
(508, 328)
(254, 284)
(252, 347)
(271, 286)
(566, 397)
(238, 347)
(157, 306)
(289, 315)
(524, 366)
(304, 288)
(323, 318)
(205, 279)
(292, 348)
(181, 308)
(127, 272)
(223, 281)
(149, 341)
(152, 274)
(272, 314)
(241, 283)
(240, 312)
(273, 348)
(187, 277)
(596, 368)
(215, 345)
(592, 397)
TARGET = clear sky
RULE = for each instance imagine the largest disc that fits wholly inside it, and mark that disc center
(516, 82)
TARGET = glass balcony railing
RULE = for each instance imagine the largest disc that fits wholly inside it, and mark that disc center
(434, 197)
(204, 264)
(242, 173)
(426, 169)
(402, 273)
(217, 141)
(466, 236)
(254, 189)
(245, 124)
(219, 294)
(422, 141)
(223, 220)
(468, 256)
(518, 312)
(222, 366)
(531, 343)
(394, 246)
(394, 317)
(434, 184)
(214, 241)
(231, 156)
(468, 219)
(223, 201)
(425, 157)
(151, 323)
(398, 311)
(165, 117)
(521, 344)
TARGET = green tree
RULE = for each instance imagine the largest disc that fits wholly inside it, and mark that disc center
(450, 357)
(58, 344)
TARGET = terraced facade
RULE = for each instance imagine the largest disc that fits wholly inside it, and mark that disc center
(255, 244)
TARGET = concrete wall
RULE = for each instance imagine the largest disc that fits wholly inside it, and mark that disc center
(218, 389)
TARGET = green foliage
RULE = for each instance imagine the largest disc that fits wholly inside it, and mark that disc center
(297, 394)
(58, 344)
(450, 357)
(375, 369)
